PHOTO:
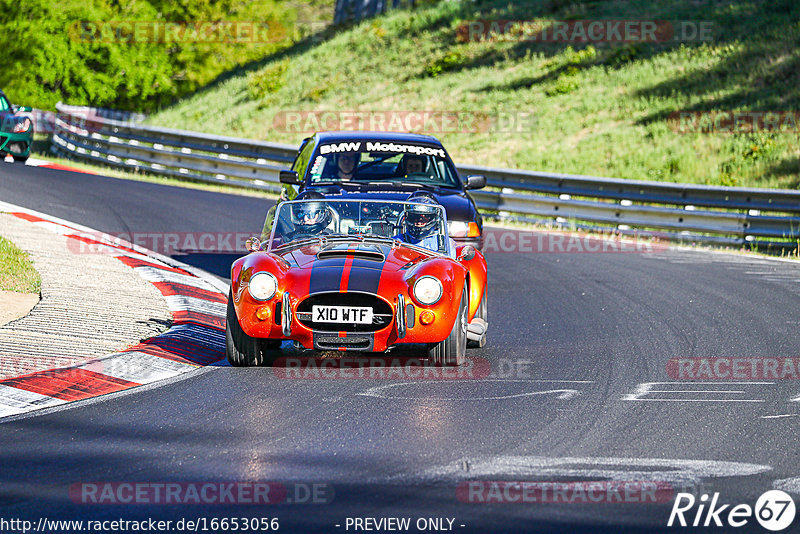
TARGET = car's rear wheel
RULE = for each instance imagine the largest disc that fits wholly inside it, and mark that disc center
(483, 315)
(243, 350)
(22, 159)
(453, 350)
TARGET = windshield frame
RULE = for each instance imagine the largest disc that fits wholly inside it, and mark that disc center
(449, 251)
(457, 183)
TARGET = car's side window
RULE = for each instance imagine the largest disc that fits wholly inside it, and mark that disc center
(301, 163)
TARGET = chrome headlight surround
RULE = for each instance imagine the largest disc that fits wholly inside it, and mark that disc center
(428, 290)
(262, 286)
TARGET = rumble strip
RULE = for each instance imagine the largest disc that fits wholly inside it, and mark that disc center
(196, 301)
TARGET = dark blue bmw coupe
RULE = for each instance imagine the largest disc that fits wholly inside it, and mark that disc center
(388, 166)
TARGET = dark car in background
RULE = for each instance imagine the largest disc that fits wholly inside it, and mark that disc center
(16, 130)
(387, 166)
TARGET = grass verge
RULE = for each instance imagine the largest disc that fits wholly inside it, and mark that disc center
(601, 109)
(16, 270)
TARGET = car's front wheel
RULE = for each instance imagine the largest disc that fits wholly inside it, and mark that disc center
(21, 159)
(453, 350)
(243, 350)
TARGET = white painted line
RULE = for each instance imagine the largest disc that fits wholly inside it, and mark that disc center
(780, 416)
(182, 303)
(381, 392)
(137, 367)
(15, 401)
(35, 162)
(137, 256)
(646, 388)
(54, 227)
(789, 485)
(674, 471)
(154, 274)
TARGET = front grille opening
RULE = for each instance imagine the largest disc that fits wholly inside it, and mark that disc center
(332, 342)
(381, 311)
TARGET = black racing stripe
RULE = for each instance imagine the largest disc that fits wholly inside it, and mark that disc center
(326, 275)
(365, 275)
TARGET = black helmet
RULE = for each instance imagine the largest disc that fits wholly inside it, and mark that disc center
(421, 218)
(311, 217)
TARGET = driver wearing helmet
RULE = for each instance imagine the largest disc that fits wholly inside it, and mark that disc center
(310, 219)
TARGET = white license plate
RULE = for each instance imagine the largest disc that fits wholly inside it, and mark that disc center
(341, 314)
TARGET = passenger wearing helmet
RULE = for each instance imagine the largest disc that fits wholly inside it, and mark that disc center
(310, 219)
(419, 225)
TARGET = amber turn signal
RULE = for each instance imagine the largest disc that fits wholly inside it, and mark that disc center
(263, 313)
(426, 317)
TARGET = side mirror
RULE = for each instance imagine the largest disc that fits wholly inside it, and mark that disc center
(253, 244)
(289, 177)
(476, 181)
(467, 253)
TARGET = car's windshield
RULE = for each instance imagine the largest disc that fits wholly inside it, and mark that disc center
(4, 104)
(417, 223)
(381, 162)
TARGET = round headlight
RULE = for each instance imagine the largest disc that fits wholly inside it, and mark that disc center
(22, 126)
(428, 290)
(263, 286)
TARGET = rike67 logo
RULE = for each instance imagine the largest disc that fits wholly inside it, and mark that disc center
(774, 510)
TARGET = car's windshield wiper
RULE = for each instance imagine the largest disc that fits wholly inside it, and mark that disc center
(422, 184)
(328, 182)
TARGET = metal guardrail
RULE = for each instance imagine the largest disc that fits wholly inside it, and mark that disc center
(733, 215)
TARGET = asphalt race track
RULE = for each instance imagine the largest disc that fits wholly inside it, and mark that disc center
(576, 343)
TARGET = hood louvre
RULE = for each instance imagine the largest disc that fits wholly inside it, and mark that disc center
(373, 255)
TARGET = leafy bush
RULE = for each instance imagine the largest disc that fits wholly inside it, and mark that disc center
(565, 84)
(268, 81)
(624, 54)
(448, 62)
(84, 53)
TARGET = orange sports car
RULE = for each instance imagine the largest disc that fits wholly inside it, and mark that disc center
(357, 275)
